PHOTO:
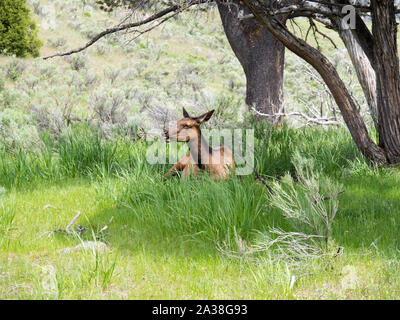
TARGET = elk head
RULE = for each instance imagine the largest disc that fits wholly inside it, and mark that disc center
(187, 128)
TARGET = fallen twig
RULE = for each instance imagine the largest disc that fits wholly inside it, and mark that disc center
(100, 235)
(73, 221)
(66, 230)
(47, 206)
(262, 180)
(106, 226)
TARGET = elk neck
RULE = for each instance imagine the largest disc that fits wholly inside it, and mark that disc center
(199, 149)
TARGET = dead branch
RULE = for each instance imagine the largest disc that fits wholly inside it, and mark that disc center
(320, 121)
(100, 235)
(139, 33)
(106, 226)
(262, 180)
(73, 221)
(66, 230)
(316, 30)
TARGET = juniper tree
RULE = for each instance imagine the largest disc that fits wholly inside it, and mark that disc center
(18, 31)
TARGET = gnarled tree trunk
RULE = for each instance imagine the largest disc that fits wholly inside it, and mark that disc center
(261, 56)
(384, 31)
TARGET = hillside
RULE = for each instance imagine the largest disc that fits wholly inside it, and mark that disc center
(186, 62)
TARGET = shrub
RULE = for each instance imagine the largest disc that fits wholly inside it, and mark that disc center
(57, 43)
(102, 49)
(2, 83)
(48, 122)
(15, 69)
(111, 74)
(18, 32)
(78, 62)
(46, 69)
(109, 107)
(16, 132)
(90, 79)
(310, 203)
(37, 9)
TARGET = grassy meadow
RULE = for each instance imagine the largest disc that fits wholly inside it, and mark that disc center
(174, 238)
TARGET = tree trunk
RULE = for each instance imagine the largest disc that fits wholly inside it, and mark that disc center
(324, 67)
(365, 72)
(261, 56)
(384, 31)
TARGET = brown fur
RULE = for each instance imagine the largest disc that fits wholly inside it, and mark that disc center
(218, 161)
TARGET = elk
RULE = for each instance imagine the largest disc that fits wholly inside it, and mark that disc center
(218, 161)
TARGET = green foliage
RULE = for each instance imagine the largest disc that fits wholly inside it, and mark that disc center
(79, 151)
(18, 32)
(84, 151)
(222, 208)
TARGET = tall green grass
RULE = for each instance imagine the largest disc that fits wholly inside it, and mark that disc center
(83, 151)
(80, 152)
(202, 210)
(332, 149)
(195, 209)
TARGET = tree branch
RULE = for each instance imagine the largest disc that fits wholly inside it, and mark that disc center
(172, 9)
(320, 121)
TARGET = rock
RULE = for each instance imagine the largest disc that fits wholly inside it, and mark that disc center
(88, 245)
(350, 277)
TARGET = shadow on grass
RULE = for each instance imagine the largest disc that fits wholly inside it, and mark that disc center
(189, 220)
(369, 214)
(187, 217)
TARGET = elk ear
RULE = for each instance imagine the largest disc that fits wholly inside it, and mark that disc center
(205, 117)
(185, 113)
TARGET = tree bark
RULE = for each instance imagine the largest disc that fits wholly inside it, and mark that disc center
(261, 56)
(364, 70)
(384, 31)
